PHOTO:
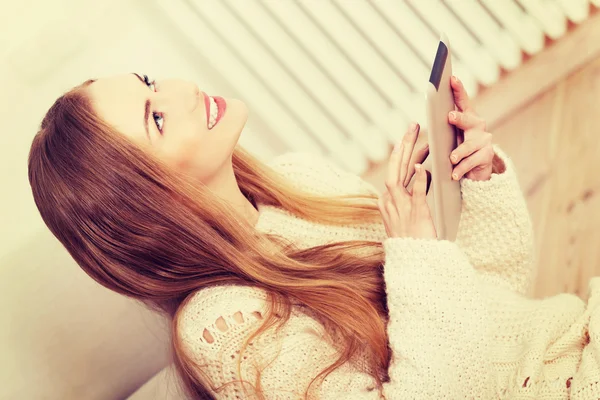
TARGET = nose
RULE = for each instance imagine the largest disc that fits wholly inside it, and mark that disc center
(196, 91)
(186, 93)
(190, 88)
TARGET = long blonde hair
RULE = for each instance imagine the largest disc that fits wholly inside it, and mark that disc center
(140, 229)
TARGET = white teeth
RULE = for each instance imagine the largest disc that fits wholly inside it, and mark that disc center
(214, 111)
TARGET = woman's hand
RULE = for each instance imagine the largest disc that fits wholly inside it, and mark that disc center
(406, 214)
(474, 156)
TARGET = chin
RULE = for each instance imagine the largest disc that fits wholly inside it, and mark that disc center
(238, 115)
(239, 109)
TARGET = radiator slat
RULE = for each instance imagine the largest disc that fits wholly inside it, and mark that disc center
(523, 27)
(500, 44)
(465, 47)
(549, 15)
(248, 46)
(401, 17)
(324, 96)
(576, 10)
(201, 34)
(364, 58)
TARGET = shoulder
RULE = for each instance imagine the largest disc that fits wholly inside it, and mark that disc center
(214, 324)
(206, 306)
(286, 360)
(226, 297)
(218, 320)
(298, 162)
(319, 174)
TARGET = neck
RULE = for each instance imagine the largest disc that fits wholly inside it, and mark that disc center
(226, 187)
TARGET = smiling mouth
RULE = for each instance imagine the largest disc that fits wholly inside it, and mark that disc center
(215, 109)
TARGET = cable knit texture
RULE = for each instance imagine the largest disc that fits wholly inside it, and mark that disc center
(461, 324)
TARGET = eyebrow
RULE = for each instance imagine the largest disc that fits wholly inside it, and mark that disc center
(146, 107)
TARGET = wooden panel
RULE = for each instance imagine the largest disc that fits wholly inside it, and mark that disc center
(555, 144)
(560, 58)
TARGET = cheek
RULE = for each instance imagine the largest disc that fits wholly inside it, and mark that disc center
(189, 153)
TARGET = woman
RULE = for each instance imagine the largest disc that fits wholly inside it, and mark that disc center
(297, 279)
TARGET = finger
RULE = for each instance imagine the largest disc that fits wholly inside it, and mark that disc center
(461, 98)
(382, 209)
(418, 157)
(460, 136)
(393, 217)
(384, 214)
(395, 190)
(394, 162)
(477, 159)
(469, 147)
(464, 150)
(465, 120)
(428, 181)
(381, 204)
(410, 138)
(420, 186)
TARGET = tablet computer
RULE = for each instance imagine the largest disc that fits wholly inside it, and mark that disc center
(444, 195)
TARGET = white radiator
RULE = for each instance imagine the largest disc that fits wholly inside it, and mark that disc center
(343, 78)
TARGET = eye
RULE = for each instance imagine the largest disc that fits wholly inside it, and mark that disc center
(158, 118)
(149, 82)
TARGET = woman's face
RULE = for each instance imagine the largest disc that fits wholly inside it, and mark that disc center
(171, 119)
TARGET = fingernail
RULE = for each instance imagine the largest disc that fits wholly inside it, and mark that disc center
(453, 157)
(413, 127)
(452, 115)
(456, 79)
(418, 168)
(455, 176)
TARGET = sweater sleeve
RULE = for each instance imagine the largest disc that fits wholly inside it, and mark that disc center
(439, 325)
(495, 229)
(437, 332)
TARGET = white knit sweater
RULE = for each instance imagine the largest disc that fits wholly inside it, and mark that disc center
(461, 324)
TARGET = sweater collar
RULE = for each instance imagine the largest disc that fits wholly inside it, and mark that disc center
(263, 210)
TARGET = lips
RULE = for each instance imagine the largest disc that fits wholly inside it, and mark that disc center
(221, 106)
(206, 107)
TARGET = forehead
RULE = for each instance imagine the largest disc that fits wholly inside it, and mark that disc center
(119, 100)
